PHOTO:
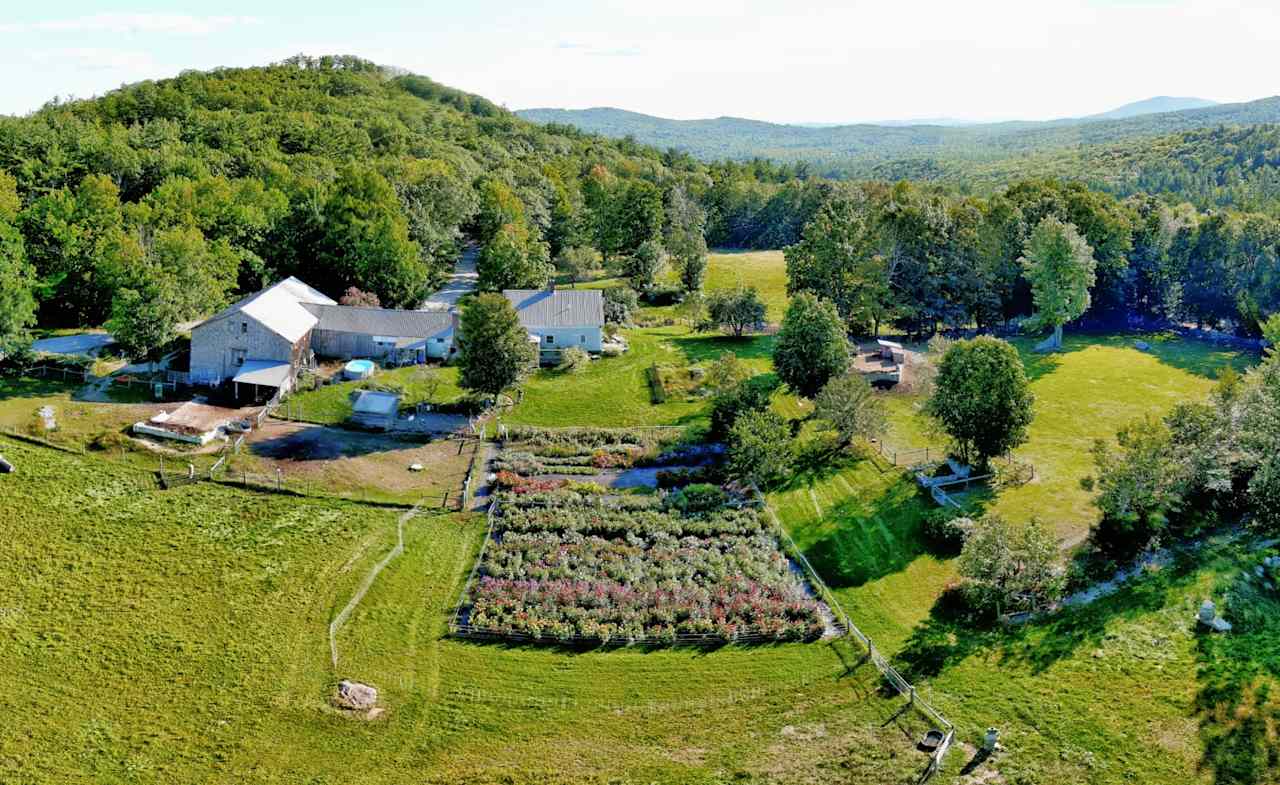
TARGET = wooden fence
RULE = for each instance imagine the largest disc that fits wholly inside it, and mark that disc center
(881, 663)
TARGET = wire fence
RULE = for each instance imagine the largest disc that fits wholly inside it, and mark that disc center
(906, 457)
(891, 675)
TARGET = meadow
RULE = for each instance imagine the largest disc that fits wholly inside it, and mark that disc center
(180, 635)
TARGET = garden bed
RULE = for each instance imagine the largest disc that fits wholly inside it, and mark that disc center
(577, 569)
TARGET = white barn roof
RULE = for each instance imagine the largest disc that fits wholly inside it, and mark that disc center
(267, 373)
(279, 308)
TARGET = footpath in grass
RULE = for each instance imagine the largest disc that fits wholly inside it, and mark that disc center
(194, 649)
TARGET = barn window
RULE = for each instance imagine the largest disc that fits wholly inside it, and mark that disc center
(439, 340)
(244, 327)
(582, 339)
(550, 339)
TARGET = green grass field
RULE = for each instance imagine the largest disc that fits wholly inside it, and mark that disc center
(331, 404)
(180, 637)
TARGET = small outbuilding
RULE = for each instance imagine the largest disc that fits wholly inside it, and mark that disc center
(375, 409)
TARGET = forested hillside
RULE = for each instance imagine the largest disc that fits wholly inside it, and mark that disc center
(860, 151)
(161, 202)
(171, 198)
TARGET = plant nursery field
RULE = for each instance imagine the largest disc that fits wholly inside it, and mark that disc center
(180, 636)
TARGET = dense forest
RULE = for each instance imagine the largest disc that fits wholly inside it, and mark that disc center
(162, 201)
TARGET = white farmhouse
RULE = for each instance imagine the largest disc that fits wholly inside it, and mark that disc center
(560, 318)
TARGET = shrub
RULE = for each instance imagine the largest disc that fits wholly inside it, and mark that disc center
(625, 573)
(760, 448)
(1010, 567)
(945, 532)
(620, 302)
(18, 362)
(574, 359)
(678, 478)
(753, 395)
(697, 498)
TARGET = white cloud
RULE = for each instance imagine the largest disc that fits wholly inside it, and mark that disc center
(119, 24)
(86, 58)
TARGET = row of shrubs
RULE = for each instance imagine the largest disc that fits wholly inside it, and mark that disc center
(610, 521)
(593, 437)
(579, 572)
(522, 492)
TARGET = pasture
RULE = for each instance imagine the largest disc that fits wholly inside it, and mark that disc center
(180, 635)
(195, 651)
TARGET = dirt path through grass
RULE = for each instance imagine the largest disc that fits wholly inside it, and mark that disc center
(365, 585)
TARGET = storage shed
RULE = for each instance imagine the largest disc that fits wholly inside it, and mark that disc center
(375, 409)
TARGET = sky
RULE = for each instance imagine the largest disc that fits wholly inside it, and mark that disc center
(782, 61)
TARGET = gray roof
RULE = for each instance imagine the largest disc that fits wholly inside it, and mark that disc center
(269, 373)
(540, 308)
(381, 321)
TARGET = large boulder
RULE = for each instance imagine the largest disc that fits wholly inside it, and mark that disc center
(5, 466)
(356, 696)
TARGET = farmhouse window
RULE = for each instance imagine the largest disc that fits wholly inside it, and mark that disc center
(237, 356)
(550, 339)
(439, 340)
(582, 339)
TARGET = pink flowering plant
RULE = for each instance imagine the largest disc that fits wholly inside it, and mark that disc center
(590, 573)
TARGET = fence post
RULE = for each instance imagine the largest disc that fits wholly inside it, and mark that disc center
(279, 478)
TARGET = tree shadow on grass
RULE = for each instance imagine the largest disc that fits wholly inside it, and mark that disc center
(1200, 358)
(699, 348)
(26, 387)
(1238, 703)
(950, 636)
(876, 537)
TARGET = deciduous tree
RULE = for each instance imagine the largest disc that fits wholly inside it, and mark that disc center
(1060, 266)
(811, 347)
(1009, 567)
(850, 407)
(981, 398)
(760, 448)
(734, 310)
(494, 351)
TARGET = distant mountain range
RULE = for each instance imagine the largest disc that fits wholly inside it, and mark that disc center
(863, 149)
(1161, 103)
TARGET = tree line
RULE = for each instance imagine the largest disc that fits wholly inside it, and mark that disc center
(920, 258)
(163, 201)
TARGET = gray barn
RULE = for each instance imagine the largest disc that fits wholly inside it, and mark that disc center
(395, 337)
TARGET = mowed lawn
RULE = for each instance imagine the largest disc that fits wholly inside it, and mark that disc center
(331, 404)
(765, 270)
(859, 522)
(614, 391)
(180, 636)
